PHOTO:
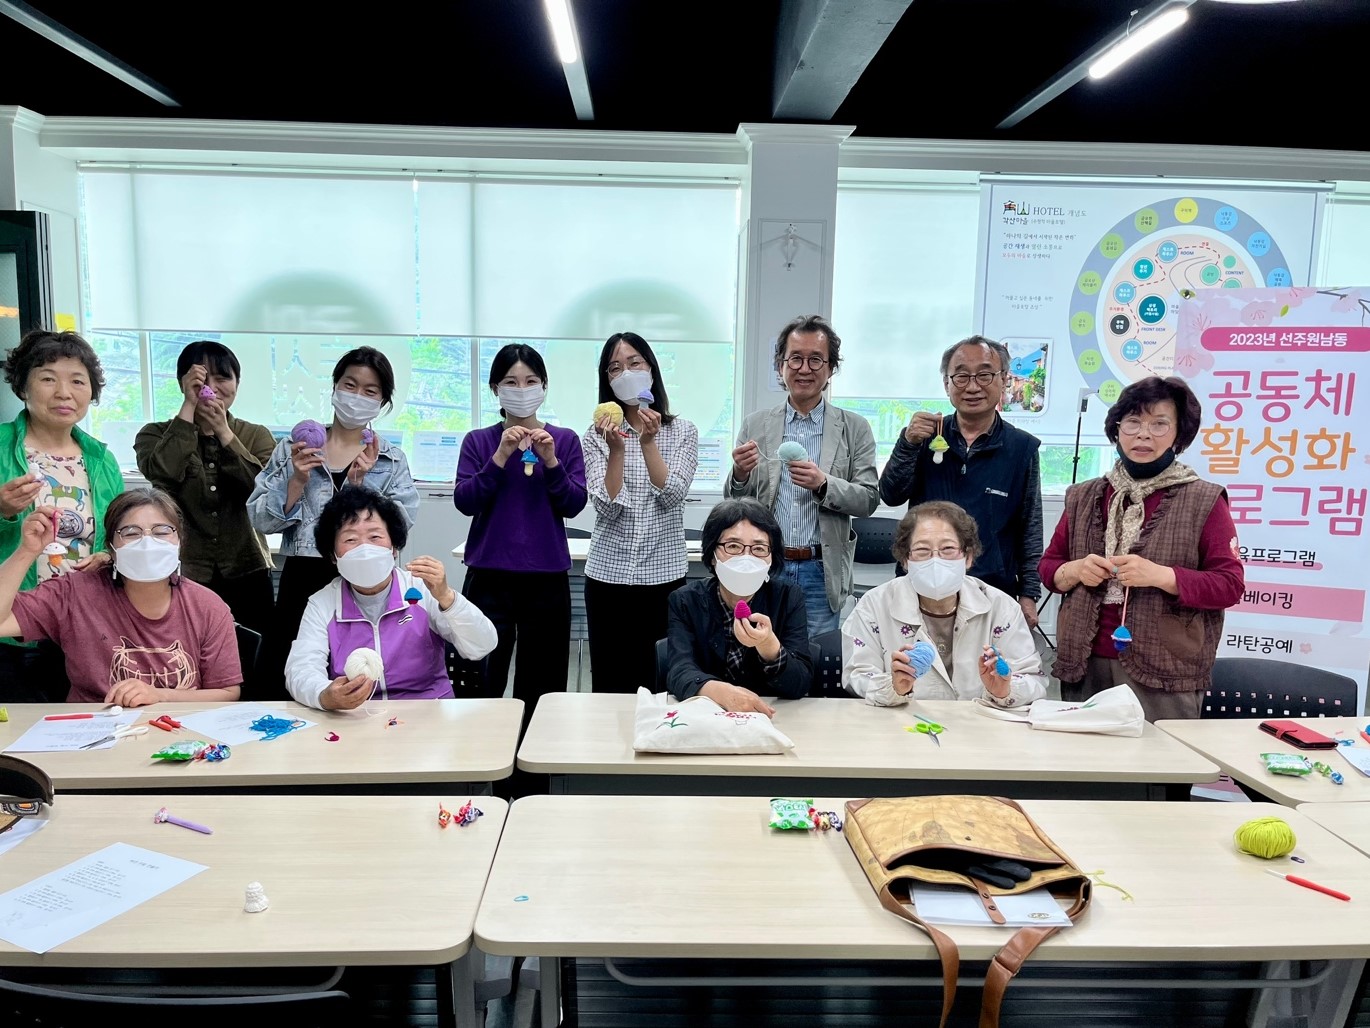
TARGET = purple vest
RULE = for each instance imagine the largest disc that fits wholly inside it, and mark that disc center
(413, 654)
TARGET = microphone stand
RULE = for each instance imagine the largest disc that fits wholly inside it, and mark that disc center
(1085, 394)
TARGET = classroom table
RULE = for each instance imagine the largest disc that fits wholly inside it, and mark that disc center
(1349, 821)
(584, 741)
(435, 743)
(704, 877)
(1236, 745)
(352, 880)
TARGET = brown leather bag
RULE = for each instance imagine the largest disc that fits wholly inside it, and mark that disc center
(27, 784)
(936, 839)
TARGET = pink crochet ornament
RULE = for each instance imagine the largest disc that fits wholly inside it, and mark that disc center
(742, 612)
(206, 393)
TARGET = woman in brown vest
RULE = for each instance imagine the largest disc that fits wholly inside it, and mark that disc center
(1147, 551)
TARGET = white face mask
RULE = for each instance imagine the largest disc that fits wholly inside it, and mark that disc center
(521, 401)
(629, 384)
(353, 410)
(743, 575)
(367, 566)
(937, 578)
(147, 559)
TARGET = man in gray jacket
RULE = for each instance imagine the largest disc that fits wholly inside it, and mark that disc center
(814, 497)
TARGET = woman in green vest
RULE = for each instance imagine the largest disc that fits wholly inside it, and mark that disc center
(46, 460)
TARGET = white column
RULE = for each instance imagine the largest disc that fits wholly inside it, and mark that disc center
(789, 215)
(35, 179)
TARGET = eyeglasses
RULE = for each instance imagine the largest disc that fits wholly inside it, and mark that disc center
(633, 364)
(733, 548)
(922, 553)
(131, 533)
(962, 378)
(796, 362)
(1134, 426)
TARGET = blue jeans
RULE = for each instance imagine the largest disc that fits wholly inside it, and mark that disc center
(808, 575)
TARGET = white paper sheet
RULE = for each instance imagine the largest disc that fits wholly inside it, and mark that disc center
(951, 904)
(231, 723)
(25, 827)
(72, 900)
(1358, 757)
(62, 736)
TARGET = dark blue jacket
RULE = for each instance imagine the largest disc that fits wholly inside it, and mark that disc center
(999, 484)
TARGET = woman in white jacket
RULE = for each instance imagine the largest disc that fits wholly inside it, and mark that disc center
(969, 625)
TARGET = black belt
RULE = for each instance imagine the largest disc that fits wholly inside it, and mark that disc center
(804, 552)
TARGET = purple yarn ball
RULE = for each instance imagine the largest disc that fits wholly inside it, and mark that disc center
(311, 433)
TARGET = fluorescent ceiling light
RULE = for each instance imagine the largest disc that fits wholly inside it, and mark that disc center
(1254, 1)
(563, 32)
(1135, 42)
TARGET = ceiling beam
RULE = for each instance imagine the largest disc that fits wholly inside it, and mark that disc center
(821, 49)
(1075, 72)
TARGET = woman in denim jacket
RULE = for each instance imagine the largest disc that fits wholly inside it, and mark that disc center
(299, 480)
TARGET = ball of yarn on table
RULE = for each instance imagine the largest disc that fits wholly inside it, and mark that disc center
(364, 661)
(922, 657)
(791, 450)
(311, 433)
(1267, 837)
(607, 409)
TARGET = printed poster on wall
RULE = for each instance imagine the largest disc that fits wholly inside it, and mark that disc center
(1083, 282)
(1284, 431)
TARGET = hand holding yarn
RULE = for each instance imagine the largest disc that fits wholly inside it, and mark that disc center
(911, 663)
(790, 450)
(755, 631)
(364, 461)
(433, 573)
(608, 421)
(19, 492)
(995, 673)
(939, 445)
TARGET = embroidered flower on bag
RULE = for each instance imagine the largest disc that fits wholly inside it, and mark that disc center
(672, 720)
(736, 715)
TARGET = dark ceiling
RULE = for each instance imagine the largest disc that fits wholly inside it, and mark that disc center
(1278, 75)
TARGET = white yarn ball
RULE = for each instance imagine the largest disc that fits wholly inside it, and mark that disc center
(364, 661)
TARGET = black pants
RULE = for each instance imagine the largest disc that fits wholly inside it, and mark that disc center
(33, 674)
(253, 605)
(532, 609)
(625, 621)
(301, 578)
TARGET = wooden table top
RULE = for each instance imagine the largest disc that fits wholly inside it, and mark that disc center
(350, 879)
(1349, 821)
(1236, 745)
(638, 876)
(592, 734)
(436, 741)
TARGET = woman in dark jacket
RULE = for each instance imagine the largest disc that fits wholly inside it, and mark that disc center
(735, 661)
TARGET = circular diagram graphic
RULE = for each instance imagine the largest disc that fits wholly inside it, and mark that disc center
(1123, 310)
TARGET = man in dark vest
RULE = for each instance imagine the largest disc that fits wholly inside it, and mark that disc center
(987, 466)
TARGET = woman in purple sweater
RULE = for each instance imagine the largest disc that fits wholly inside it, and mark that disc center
(518, 480)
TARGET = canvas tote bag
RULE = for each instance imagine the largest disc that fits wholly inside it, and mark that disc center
(937, 839)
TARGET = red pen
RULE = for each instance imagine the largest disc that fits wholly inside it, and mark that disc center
(1308, 885)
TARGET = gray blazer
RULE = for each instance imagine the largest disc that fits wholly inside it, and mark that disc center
(853, 489)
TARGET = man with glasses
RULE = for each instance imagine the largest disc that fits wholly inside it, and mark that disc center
(815, 498)
(990, 469)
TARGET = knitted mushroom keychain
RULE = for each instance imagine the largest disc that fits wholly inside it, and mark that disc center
(939, 445)
(1122, 638)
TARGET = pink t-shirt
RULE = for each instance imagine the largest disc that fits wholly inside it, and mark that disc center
(106, 641)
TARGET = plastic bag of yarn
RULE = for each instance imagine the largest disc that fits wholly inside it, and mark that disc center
(788, 814)
(178, 752)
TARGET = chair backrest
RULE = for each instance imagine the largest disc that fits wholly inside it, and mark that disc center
(59, 1007)
(465, 675)
(1251, 687)
(875, 540)
(249, 645)
(577, 533)
(827, 664)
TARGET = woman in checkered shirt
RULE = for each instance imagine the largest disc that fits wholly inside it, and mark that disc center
(638, 476)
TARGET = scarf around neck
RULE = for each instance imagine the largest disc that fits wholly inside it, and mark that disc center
(1124, 525)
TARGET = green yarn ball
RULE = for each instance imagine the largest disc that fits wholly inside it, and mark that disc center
(1266, 837)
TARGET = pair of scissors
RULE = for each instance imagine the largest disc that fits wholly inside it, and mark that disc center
(120, 732)
(166, 723)
(929, 728)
